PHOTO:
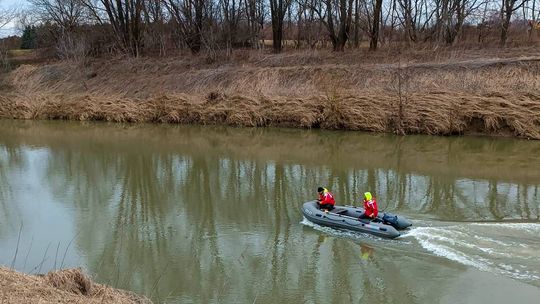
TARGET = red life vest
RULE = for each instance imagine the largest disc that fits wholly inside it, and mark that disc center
(371, 207)
(327, 198)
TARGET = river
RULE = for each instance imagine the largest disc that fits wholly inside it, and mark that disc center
(206, 214)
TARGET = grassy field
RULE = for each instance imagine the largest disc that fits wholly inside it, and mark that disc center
(20, 53)
(422, 91)
(15, 58)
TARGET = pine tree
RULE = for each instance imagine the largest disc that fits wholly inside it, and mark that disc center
(28, 39)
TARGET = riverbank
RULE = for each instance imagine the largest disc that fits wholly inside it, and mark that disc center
(63, 286)
(439, 93)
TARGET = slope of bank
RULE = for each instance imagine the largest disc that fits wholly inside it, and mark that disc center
(466, 95)
(64, 286)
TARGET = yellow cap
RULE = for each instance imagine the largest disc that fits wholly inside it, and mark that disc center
(367, 196)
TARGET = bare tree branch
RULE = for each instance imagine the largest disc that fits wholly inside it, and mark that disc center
(6, 16)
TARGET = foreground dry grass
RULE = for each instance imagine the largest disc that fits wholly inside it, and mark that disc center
(444, 93)
(64, 286)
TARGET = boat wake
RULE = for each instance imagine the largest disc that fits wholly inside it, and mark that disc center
(349, 234)
(510, 249)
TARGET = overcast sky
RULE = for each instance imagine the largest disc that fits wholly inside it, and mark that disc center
(12, 3)
(10, 28)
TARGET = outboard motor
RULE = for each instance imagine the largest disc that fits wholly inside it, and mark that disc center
(395, 221)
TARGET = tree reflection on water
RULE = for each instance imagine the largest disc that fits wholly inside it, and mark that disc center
(199, 212)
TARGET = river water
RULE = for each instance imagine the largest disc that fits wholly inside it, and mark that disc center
(193, 214)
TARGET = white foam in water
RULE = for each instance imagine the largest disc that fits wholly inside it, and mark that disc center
(503, 248)
(485, 239)
(430, 239)
(526, 227)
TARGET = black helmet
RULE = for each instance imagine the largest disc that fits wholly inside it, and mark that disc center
(320, 189)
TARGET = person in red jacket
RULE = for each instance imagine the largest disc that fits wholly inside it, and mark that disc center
(370, 206)
(326, 199)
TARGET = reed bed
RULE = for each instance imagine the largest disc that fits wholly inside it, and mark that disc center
(436, 113)
(462, 94)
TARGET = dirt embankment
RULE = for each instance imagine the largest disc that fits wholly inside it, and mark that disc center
(465, 93)
(64, 286)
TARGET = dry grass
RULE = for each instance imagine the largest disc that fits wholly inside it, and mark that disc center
(453, 94)
(437, 113)
(18, 53)
(64, 286)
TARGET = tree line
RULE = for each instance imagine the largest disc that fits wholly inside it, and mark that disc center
(135, 27)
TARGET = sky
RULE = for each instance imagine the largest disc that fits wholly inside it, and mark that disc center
(11, 28)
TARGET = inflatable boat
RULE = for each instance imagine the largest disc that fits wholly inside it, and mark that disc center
(348, 217)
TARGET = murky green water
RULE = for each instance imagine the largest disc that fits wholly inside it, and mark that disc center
(188, 214)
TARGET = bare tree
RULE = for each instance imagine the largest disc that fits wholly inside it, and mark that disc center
(189, 16)
(231, 18)
(278, 8)
(254, 19)
(154, 16)
(6, 16)
(451, 16)
(408, 15)
(136, 25)
(337, 18)
(508, 7)
(64, 16)
(310, 28)
(356, 37)
(67, 14)
(125, 17)
(532, 23)
(374, 36)
(153, 11)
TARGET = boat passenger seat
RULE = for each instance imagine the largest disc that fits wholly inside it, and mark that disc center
(339, 211)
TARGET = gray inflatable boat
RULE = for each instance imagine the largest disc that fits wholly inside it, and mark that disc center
(348, 217)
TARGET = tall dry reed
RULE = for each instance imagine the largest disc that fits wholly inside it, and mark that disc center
(465, 95)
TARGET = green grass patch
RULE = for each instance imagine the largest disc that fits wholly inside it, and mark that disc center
(20, 53)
